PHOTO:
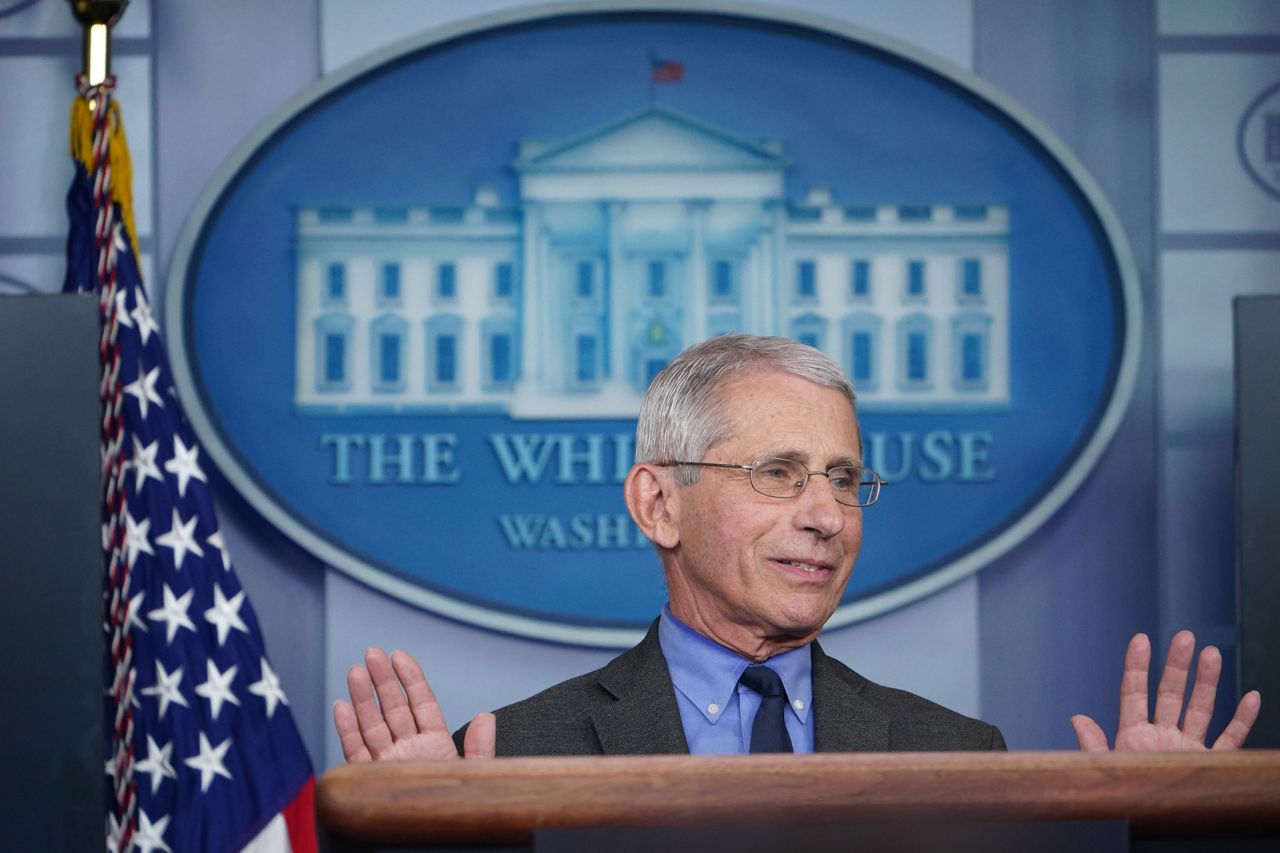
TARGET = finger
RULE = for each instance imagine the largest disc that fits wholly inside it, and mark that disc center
(1173, 681)
(426, 711)
(1089, 735)
(1133, 684)
(344, 718)
(1237, 730)
(395, 709)
(373, 729)
(481, 736)
(1200, 706)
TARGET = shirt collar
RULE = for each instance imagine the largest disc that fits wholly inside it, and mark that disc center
(707, 673)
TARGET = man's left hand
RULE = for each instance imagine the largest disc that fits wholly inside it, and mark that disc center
(1139, 731)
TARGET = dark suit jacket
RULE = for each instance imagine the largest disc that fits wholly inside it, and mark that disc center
(629, 708)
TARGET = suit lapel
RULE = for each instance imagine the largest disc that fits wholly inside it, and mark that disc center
(644, 719)
(843, 720)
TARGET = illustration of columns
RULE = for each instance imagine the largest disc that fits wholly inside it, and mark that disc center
(775, 270)
(533, 368)
(618, 293)
(696, 301)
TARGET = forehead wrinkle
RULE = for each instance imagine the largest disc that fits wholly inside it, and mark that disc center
(803, 456)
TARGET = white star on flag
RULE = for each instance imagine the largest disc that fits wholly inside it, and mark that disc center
(181, 538)
(113, 833)
(269, 689)
(150, 836)
(146, 323)
(215, 539)
(209, 761)
(218, 688)
(157, 763)
(144, 388)
(184, 465)
(136, 538)
(224, 614)
(144, 463)
(174, 613)
(166, 687)
(122, 310)
(133, 608)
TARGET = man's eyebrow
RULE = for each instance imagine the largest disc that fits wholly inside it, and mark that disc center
(803, 456)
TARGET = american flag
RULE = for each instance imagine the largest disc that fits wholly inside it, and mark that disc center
(665, 70)
(201, 750)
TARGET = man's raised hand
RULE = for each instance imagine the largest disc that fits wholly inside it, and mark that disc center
(393, 715)
(1140, 731)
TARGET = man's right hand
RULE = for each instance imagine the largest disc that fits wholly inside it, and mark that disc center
(393, 715)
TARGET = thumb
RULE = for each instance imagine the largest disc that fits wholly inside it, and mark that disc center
(1089, 734)
(481, 736)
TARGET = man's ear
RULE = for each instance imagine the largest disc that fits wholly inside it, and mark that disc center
(650, 495)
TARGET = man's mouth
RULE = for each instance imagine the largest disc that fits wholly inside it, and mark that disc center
(811, 568)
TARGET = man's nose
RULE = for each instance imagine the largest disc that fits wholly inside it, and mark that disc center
(818, 510)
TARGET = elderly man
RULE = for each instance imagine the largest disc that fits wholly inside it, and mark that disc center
(750, 484)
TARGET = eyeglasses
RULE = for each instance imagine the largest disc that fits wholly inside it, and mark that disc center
(851, 485)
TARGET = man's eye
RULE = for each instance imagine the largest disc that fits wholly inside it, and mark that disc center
(777, 473)
(844, 479)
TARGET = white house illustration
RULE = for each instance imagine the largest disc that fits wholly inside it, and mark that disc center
(628, 243)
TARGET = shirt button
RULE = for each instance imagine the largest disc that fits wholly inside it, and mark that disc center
(799, 703)
(713, 708)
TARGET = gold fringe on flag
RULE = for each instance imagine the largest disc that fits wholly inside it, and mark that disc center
(82, 124)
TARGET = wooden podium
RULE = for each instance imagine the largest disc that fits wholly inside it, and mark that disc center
(505, 801)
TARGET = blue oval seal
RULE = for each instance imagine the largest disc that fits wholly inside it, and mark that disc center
(413, 317)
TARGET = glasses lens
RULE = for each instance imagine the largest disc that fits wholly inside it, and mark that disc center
(868, 487)
(778, 478)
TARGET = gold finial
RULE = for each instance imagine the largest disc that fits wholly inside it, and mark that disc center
(97, 17)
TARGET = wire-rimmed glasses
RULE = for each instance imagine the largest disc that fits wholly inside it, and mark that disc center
(852, 485)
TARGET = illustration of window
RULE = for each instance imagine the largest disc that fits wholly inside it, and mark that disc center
(499, 353)
(504, 281)
(806, 280)
(500, 359)
(387, 337)
(336, 284)
(810, 330)
(447, 359)
(444, 336)
(335, 358)
(447, 280)
(586, 368)
(971, 333)
(915, 279)
(860, 279)
(586, 279)
(914, 337)
(721, 281)
(861, 334)
(971, 280)
(657, 278)
(389, 290)
(333, 339)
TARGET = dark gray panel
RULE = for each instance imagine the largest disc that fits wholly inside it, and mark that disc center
(51, 763)
(1257, 343)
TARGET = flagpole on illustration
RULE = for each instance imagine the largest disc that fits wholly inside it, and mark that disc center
(209, 765)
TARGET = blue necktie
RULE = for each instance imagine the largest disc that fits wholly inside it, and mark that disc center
(769, 731)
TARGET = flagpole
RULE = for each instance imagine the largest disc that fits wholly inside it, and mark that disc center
(96, 17)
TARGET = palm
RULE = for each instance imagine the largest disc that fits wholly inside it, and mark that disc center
(1140, 730)
(394, 716)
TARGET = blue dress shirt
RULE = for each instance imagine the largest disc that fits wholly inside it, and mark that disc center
(715, 711)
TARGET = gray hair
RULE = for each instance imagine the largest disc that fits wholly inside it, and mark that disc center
(682, 415)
